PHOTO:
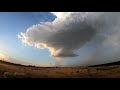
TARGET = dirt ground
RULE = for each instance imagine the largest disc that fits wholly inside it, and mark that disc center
(14, 71)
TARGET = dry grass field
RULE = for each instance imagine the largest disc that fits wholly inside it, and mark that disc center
(10, 70)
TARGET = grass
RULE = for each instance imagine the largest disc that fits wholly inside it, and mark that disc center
(105, 68)
(17, 71)
(2, 70)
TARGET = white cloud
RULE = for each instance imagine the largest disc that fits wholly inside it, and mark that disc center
(70, 31)
(61, 14)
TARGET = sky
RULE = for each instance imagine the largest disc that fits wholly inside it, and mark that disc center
(11, 24)
(60, 38)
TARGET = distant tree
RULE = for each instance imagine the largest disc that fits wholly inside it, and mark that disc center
(29, 65)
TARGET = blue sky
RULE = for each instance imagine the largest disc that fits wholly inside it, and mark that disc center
(11, 24)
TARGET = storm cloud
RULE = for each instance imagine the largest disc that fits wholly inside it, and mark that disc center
(71, 31)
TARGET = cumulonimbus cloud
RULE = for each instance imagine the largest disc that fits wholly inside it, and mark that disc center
(72, 30)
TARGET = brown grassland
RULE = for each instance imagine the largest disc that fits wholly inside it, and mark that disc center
(10, 70)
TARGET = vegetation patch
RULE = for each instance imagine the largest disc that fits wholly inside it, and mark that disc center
(105, 68)
(2, 71)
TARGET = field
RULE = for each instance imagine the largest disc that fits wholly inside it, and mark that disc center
(10, 70)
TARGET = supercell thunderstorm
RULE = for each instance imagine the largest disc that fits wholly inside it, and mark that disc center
(73, 34)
